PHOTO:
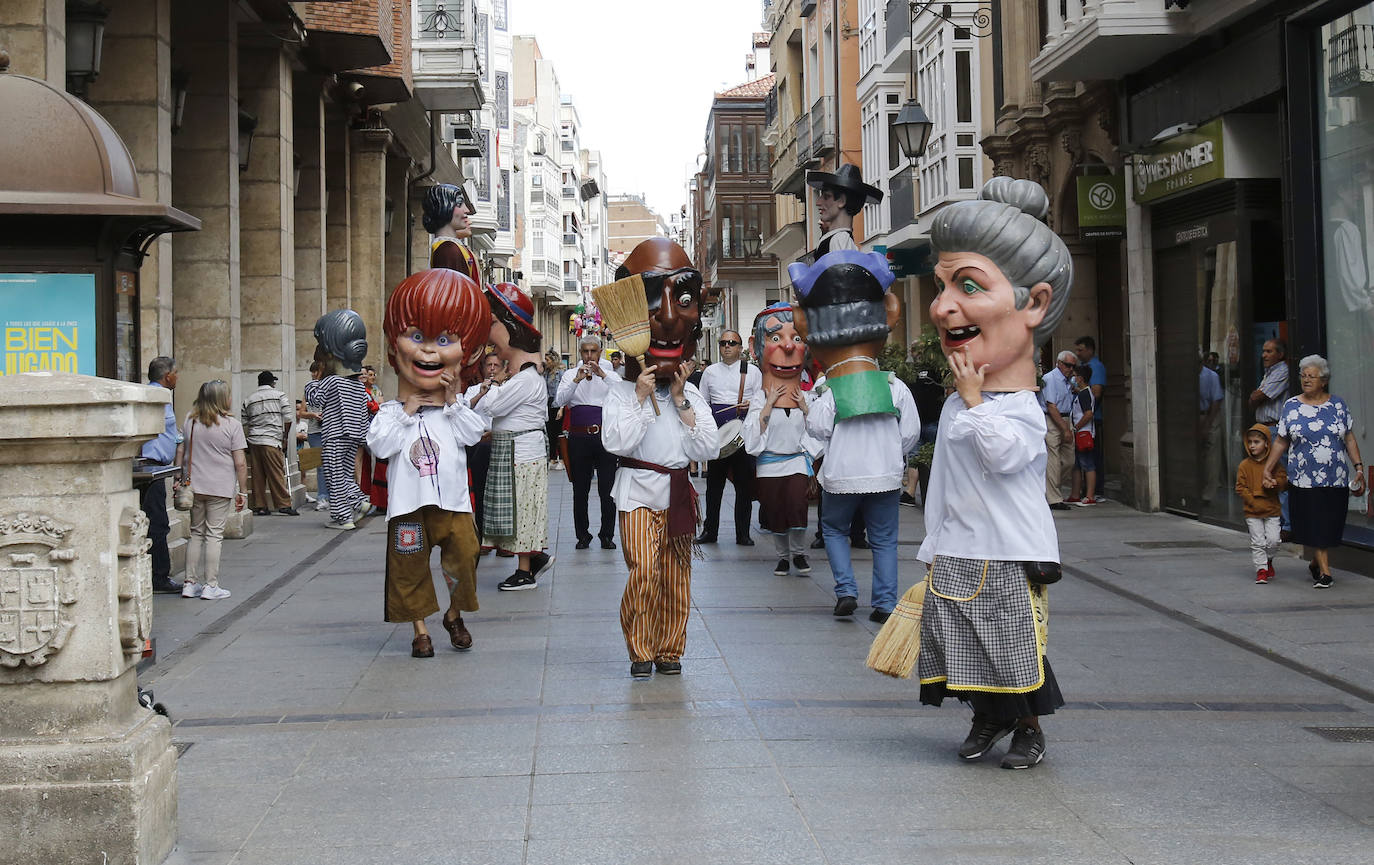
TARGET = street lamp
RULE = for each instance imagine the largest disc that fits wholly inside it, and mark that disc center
(912, 126)
(752, 241)
(85, 35)
(247, 123)
(181, 81)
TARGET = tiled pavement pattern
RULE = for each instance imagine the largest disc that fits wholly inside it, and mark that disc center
(312, 736)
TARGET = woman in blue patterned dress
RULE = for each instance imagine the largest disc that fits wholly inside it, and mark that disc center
(1317, 431)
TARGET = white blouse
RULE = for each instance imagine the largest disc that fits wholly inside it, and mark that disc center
(986, 498)
(520, 404)
(629, 428)
(427, 460)
(786, 434)
(865, 454)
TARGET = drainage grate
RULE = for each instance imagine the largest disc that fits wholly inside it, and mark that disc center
(1174, 545)
(1361, 735)
(182, 748)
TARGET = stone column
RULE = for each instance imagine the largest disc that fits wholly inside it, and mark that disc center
(86, 773)
(338, 236)
(396, 242)
(367, 203)
(311, 240)
(35, 34)
(419, 238)
(134, 93)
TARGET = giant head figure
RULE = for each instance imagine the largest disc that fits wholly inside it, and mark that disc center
(1002, 280)
(780, 350)
(341, 342)
(840, 196)
(512, 324)
(673, 289)
(436, 324)
(844, 311)
(446, 211)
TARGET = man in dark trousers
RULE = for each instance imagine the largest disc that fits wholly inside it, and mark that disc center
(162, 372)
(583, 390)
(729, 386)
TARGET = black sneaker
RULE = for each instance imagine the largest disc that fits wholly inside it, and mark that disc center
(907, 499)
(540, 563)
(583, 543)
(518, 582)
(880, 616)
(261, 512)
(984, 733)
(1060, 506)
(641, 669)
(1322, 582)
(846, 605)
(781, 569)
(1027, 749)
(165, 586)
(608, 544)
(668, 668)
(802, 565)
(288, 512)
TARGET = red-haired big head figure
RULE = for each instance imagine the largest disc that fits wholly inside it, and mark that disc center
(436, 325)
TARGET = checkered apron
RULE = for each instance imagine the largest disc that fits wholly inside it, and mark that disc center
(984, 627)
(498, 499)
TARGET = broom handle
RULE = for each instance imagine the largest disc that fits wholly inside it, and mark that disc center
(652, 400)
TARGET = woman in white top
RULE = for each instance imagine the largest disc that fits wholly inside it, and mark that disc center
(215, 467)
(1003, 282)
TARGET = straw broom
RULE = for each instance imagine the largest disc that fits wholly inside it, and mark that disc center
(895, 648)
(625, 310)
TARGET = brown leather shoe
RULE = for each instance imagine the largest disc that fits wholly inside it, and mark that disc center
(422, 647)
(458, 633)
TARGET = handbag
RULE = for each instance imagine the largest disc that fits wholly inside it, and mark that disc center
(1043, 573)
(309, 458)
(1083, 440)
(183, 496)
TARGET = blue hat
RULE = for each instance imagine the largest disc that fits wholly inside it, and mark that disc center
(842, 276)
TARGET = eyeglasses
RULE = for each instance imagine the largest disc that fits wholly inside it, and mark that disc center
(1306, 377)
(725, 343)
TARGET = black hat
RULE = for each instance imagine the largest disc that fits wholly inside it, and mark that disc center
(848, 180)
(266, 377)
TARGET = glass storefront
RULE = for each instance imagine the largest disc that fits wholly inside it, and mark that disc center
(1345, 150)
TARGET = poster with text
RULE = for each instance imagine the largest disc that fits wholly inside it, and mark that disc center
(47, 322)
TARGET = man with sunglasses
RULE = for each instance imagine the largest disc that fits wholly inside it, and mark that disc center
(730, 386)
(1059, 449)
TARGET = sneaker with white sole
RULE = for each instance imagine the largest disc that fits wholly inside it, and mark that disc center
(191, 589)
(1027, 749)
(520, 581)
(214, 593)
(345, 527)
(361, 509)
(321, 505)
(782, 568)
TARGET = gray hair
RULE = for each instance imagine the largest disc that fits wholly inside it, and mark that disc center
(850, 323)
(1067, 356)
(1005, 225)
(159, 366)
(1318, 363)
(761, 328)
(589, 339)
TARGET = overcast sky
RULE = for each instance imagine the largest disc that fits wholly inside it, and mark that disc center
(628, 63)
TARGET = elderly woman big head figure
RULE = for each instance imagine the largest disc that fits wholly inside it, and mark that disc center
(1316, 430)
(1003, 280)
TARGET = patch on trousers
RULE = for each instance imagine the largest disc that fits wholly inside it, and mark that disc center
(410, 538)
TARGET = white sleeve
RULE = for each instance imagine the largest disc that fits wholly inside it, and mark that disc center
(624, 422)
(566, 389)
(909, 423)
(1005, 441)
(702, 441)
(468, 425)
(820, 419)
(389, 430)
(753, 435)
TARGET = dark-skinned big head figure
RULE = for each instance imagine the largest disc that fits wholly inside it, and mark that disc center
(673, 289)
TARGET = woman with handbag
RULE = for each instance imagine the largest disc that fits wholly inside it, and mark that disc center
(1081, 422)
(215, 472)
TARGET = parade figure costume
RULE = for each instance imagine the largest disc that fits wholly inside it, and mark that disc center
(423, 434)
(652, 491)
(344, 419)
(586, 453)
(1002, 280)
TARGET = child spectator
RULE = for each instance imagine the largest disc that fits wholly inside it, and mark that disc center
(1261, 500)
(1081, 422)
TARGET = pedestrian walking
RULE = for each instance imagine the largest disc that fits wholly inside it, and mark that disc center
(582, 393)
(730, 386)
(1002, 280)
(164, 450)
(775, 435)
(653, 493)
(1260, 499)
(423, 435)
(217, 471)
(341, 346)
(553, 374)
(1267, 400)
(267, 421)
(1084, 438)
(1317, 432)
(1060, 453)
(864, 416)
(516, 507)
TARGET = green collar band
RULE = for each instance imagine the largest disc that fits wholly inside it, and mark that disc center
(861, 393)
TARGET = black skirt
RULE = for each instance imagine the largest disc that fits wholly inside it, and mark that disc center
(1318, 515)
(1002, 707)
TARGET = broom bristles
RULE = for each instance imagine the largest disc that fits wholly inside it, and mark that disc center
(625, 310)
(898, 644)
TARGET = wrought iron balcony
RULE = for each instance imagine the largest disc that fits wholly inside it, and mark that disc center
(448, 70)
(1351, 58)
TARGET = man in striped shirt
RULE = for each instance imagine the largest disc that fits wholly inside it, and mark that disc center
(267, 421)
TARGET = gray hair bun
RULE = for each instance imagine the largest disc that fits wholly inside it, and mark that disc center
(1026, 196)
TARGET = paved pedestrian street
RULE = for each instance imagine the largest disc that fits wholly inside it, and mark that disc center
(1209, 720)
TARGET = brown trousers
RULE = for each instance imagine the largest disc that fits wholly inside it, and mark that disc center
(409, 585)
(658, 594)
(267, 465)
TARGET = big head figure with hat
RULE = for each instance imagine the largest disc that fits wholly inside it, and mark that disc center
(436, 324)
(672, 288)
(840, 197)
(512, 329)
(446, 212)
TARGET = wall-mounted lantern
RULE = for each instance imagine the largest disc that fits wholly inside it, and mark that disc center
(247, 124)
(85, 35)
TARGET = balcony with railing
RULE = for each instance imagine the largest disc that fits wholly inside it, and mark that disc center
(1350, 54)
(802, 134)
(823, 126)
(444, 41)
(897, 42)
(1088, 40)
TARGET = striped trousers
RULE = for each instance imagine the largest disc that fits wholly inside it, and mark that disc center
(339, 458)
(658, 594)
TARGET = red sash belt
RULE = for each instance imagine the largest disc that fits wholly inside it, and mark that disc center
(682, 496)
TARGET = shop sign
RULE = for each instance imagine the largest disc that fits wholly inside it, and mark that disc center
(47, 321)
(1191, 233)
(1101, 206)
(1183, 162)
(910, 261)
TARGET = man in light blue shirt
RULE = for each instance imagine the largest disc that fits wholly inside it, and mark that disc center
(1057, 394)
(162, 372)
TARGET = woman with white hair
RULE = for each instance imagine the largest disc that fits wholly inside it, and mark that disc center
(1002, 281)
(1317, 433)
